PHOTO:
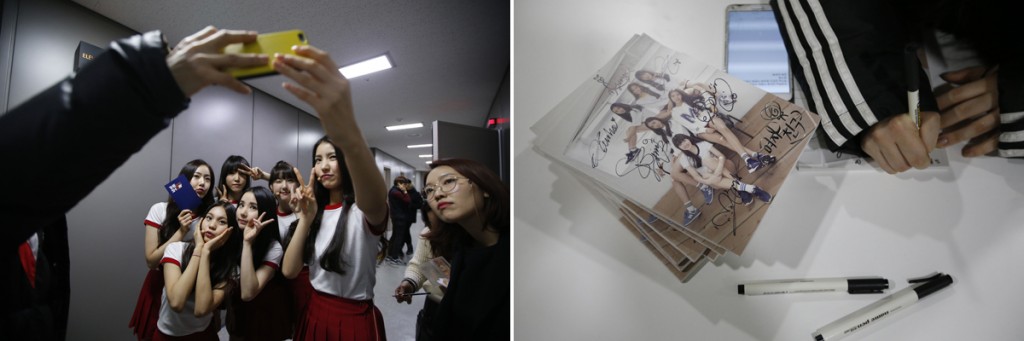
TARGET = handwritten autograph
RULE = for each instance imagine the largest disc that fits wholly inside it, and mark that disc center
(599, 147)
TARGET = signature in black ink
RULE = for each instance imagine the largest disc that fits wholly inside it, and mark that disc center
(724, 95)
(727, 200)
(788, 126)
(648, 163)
(613, 88)
(599, 147)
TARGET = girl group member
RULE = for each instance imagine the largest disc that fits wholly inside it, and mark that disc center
(162, 232)
(625, 111)
(198, 275)
(710, 127)
(260, 310)
(234, 179)
(342, 211)
(472, 201)
(704, 163)
(643, 95)
(283, 182)
(652, 79)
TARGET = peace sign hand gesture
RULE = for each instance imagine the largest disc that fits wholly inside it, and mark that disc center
(303, 200)
(222, 194)
(251, 230)
(254, 172)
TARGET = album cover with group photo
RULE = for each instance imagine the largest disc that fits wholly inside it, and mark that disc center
(691, 155)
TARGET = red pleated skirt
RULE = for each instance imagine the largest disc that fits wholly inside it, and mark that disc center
(209, 334)
(301, 291)
(334, 318)
(267, 317)
(147, 308)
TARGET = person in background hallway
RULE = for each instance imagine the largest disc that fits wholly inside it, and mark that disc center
(467, 195)
(343, 211)
(161, 232)
(403, 200)
(415, 278)
(138, 84)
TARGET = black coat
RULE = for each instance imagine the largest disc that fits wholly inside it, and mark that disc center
(65, 141)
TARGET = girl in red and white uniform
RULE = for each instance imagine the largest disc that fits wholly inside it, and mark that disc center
(161, 232)
(342, 212)
(261, 308)
(198, 275)
(283, 181)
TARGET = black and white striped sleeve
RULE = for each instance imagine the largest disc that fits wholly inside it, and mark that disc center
(848, 58)
(1011, 106)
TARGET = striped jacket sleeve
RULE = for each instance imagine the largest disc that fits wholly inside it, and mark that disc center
(848, 58)
(1011, 106)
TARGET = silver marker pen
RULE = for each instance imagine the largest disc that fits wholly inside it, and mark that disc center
(882, 308)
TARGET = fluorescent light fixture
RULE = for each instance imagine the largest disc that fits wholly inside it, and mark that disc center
(429, 162)
(426, 156)
(411, 146)
(366, 67)
(404, 126)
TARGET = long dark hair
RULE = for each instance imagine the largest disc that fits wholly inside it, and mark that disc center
(331, 259)
(652, 83)
(665, 131)
(282, 170)
(230, 167)
(642, 89)
(171, 223)
(695, 159)
(449, 237)
(224, 260)
(628, 115)
(265, 204)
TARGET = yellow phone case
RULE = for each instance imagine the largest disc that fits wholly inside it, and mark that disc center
(268, 43)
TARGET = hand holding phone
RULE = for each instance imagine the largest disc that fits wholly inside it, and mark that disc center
(269, 44)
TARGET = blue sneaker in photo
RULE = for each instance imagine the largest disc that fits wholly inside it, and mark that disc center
(762, 195)
(745, 198)
(752, 165)
(689, 216)
(709, 193)
(765, 159)
(632, 155)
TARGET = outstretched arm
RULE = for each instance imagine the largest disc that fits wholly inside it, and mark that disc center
(324, 87)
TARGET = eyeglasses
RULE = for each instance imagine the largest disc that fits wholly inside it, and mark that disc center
(448, 184)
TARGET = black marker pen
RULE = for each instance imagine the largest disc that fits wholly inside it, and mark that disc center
(882, 308)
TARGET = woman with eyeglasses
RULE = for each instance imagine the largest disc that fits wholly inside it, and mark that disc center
(473, 205)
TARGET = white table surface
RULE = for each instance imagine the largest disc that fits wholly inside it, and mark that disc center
(580, 275)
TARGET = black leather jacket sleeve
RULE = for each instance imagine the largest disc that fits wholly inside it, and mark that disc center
(62, 143)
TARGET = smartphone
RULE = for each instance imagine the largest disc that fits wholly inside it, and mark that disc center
(754, 49)
(267, 43)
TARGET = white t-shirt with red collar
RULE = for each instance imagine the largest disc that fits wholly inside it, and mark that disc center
(359, 251)
(284, 221)
(157, 214)
(185, 322)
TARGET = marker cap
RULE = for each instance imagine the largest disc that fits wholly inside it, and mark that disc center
(932, 284)
(867, 285)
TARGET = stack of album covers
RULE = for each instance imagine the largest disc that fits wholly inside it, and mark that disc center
(690, 156)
